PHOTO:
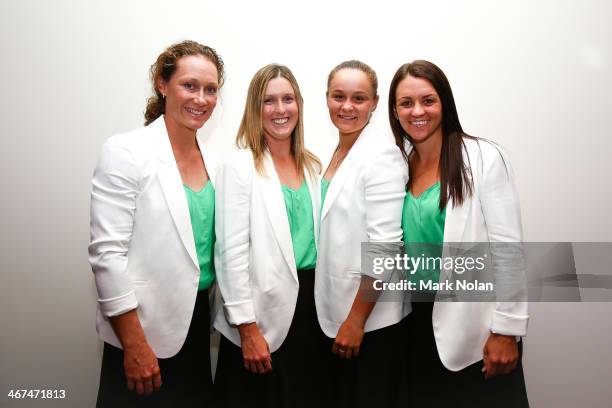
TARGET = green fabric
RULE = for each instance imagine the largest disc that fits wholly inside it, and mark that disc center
(324, 187)
(202, 214)
(301, 225)
(423, 226)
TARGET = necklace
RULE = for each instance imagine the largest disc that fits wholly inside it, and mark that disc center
(337, 157)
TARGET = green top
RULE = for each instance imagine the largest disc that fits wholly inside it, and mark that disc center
(202, 214)
(301, 225)
(324, 187)
(423, 224)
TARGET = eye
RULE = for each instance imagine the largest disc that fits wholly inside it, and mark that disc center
(288, 99)
(211, 90)
(267, 101)
(429, 101)
(337, 97)
(188, 85)
(359, 98)
(406, 103)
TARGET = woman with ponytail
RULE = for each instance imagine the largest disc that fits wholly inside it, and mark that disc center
(152, 239)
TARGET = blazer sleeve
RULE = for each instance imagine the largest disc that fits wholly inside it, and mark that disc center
(385, 189)
(115, 187)
(502, 214)
(233, 194)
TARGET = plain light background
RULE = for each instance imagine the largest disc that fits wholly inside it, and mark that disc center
(531, 75)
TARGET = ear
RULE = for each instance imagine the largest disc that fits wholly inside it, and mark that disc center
(395, 114)
(375, 103)
(161, 86)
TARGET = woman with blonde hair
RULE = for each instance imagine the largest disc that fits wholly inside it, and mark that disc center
(267, 208)
(152, 237)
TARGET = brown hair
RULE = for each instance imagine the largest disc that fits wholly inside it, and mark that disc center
(165, 66)
(361, 66)
(455, 175)
(251, 134)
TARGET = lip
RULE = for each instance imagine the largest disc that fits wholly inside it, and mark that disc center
(280, 121)
(194, 111)
(347, 117)
(419, 123)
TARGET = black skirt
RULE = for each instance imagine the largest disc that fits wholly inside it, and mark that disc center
(374, 378)
(298, 377)
(430, 384)
(186, 377)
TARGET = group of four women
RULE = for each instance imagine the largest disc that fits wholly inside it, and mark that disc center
(281, 234)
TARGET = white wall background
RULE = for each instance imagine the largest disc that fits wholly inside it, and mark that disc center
(531, 75)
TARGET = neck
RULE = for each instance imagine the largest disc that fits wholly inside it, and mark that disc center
(347, 140)
(279, 148)
(181, 138)
(429, 150)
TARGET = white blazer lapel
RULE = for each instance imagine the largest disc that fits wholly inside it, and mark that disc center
(314, 188)
(210, 162)
(172, 186)
(336, 183)
(277, 212)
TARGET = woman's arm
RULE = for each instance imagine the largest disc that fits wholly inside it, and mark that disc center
(385, 181)
(115, 187)
(501, 211)
(233, 195)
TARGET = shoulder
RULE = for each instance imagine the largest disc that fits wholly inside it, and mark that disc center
(486, 151)
(239, 163)
(137, 144)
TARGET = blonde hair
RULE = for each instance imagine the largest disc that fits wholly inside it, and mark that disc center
(251, 134)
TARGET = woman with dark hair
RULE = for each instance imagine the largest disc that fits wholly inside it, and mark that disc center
(461, 189)
(152, 239)
(362, 195)
(268, 204)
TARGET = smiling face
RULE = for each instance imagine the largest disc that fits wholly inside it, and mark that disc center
(191, 93)
(418, 109)
(279, 112)
(350, 100)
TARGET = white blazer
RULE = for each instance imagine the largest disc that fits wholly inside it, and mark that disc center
(363, 204)
(142, 250)
(491, 214)
(255, 263)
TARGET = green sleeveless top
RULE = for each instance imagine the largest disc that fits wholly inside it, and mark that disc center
(423, 224)
(301, 225)
(202, 214)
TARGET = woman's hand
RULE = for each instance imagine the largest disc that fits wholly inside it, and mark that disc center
(141, 369)
(500, 355)
(348, 340)
(139, 362)
(255, 350)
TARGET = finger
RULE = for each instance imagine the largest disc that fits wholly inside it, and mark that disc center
(130, 384)
(492, 370)
(335, 348)
(260, 367)
(356, 351)
(268, 365)
(252, 367)
(148, 386)
(157, 381)
(349, 353)
(139, 387)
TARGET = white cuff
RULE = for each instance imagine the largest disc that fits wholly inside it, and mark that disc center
(118, 305)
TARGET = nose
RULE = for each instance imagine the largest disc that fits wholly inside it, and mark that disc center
(347, 105)
(200, 97)
(279, 107)
(417, 110)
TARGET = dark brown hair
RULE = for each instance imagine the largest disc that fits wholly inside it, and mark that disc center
(165, 66)
(361, 66)
(455, 175)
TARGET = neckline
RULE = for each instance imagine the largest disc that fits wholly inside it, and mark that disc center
(197, 192)
(292, 190)
(437, 183)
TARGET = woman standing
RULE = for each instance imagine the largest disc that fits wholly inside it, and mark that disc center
(267, 203)
(363, 190)
(152, 237)
(461, 189)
